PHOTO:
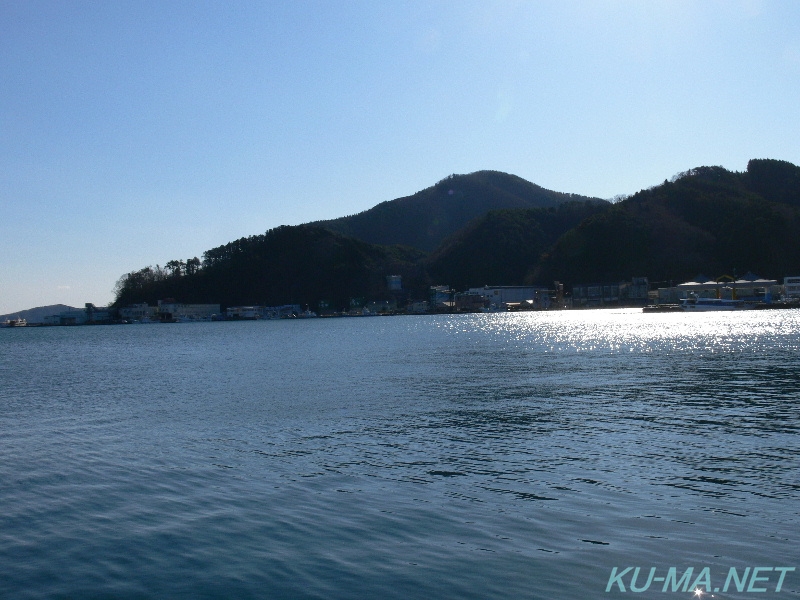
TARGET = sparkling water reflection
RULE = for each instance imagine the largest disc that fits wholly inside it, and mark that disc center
(508, 455)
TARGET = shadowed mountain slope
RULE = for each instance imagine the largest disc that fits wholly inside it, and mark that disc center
(299, 264)
(425, 219)
(706, 220)
(506, 247)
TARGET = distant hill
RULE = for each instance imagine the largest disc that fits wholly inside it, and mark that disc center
(37, 315)
(425, 219)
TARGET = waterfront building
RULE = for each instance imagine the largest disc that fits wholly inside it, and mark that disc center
(88, 315)
(749, 287)
(441, 297)
(170, 310)
(141, 313)
(246, 313)
(497, 297)
(791, 288)
(624, 293)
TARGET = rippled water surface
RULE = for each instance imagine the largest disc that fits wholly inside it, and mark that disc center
(478, 456)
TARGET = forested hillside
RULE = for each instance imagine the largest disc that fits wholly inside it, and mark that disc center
(425, 219)
(706, 220)
(286, 265)
(506, 246)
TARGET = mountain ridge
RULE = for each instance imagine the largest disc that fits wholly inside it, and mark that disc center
(37, 315)
(425, 219)
(706, 219)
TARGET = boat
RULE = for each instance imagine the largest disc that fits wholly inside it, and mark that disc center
(695, 304)
(18, 322)
(660, 308)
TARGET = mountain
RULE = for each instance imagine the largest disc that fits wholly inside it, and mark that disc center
(425, 219)
(706, 220)
(775, 180)
(37, 315)
(506, 247)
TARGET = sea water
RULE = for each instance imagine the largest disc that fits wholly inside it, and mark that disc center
(527, 455)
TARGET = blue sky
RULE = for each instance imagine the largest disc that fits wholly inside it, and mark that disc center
(137, 132)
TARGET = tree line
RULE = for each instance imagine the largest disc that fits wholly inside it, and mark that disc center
(704, 220)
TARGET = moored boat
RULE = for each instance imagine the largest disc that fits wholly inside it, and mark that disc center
(695, 304)
(18, 322)
(660, 308)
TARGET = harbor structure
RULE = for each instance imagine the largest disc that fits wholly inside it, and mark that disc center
(621, 293)
(170, 311)
(749, 287)
(791, 288)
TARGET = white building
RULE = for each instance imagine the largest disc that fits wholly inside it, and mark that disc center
(791, 287)
(88, 315)
(750, 287)
(169, 310)
(139, 312)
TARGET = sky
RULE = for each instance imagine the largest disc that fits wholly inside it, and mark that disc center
(136, 132)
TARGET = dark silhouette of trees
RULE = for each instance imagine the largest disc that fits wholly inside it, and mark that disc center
(706, 219)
